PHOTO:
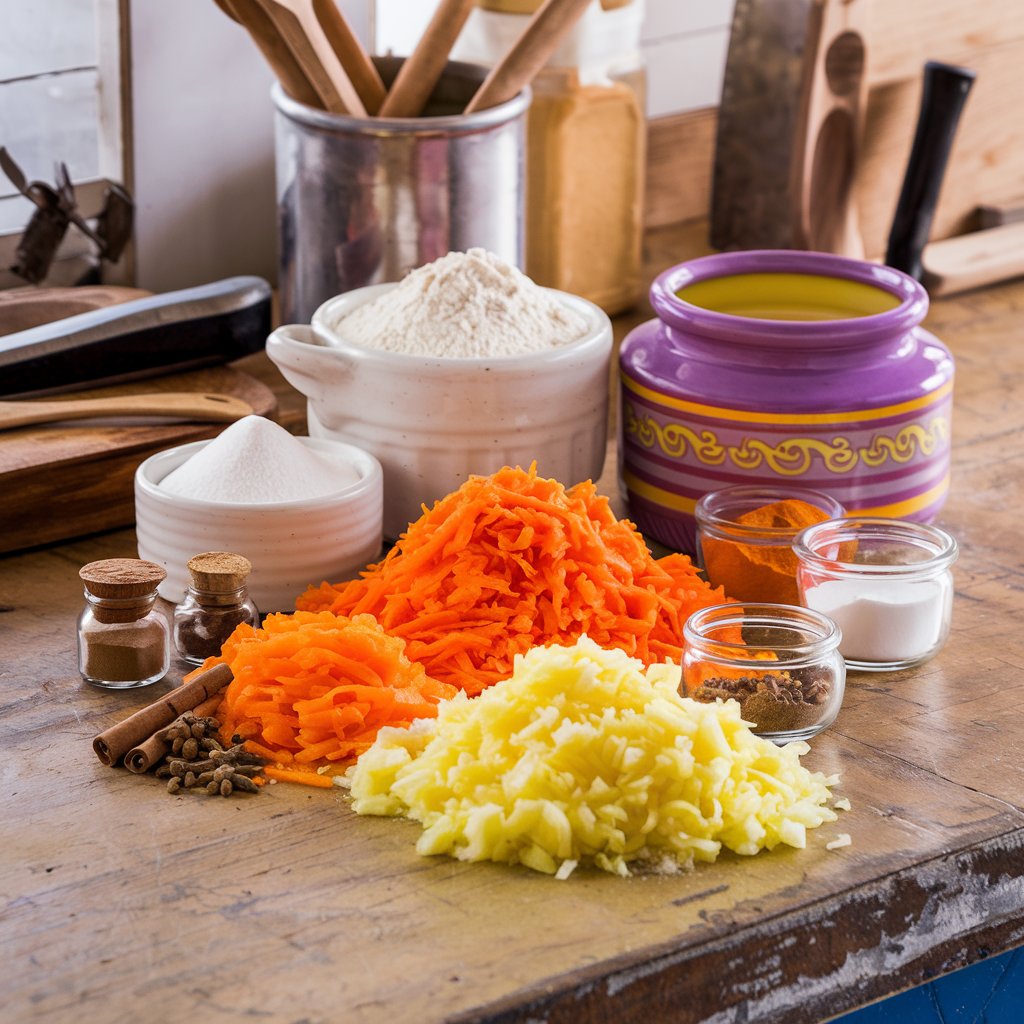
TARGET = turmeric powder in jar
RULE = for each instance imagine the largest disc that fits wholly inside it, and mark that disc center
(745, 539)
(585, 153)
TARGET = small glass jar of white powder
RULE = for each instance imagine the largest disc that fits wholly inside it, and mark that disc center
(886, 583)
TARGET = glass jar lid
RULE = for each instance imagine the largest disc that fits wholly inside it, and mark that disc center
(717, 512)
(876, 547)
(748, 634)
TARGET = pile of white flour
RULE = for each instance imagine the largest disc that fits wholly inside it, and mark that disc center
(464, 305)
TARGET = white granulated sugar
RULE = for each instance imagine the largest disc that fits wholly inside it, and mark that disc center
(464, 305)
(255, 461)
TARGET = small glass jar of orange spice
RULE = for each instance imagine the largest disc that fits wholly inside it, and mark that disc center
(745, 539)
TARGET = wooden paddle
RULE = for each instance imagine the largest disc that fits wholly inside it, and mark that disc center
(354, 59)
(251, 16)
(298, 25)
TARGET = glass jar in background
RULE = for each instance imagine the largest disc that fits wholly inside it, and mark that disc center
(123, 640)
(887, 583)
(586, 147)
(216, 601)
(780, 663)
(745, 538)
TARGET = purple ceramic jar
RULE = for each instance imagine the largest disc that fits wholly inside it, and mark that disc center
(781, 367)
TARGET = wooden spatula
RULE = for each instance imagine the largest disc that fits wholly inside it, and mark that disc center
(182, 405)
(298, 25)
(354, 59)
(251, 16)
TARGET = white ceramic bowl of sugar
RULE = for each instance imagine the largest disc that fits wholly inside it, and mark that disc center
(291, 544)
(433, 421)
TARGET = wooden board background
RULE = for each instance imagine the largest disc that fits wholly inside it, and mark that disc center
(987, 161)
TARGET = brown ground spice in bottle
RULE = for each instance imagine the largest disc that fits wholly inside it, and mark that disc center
(123, 641)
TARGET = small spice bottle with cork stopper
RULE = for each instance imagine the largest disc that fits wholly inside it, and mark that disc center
(123, 640)
(214, 604)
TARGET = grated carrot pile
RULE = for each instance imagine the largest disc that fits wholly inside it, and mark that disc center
(311, 689)
(514, 561)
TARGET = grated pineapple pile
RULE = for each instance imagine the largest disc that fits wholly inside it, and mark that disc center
(584, 756)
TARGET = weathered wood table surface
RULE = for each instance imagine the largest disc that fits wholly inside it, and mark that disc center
(121, 902)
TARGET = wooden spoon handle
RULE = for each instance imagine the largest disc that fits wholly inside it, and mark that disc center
(541, 37)
(354, 59)
(251, 16)
(420, 72)
(185, 405)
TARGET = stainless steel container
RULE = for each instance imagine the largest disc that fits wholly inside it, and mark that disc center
(364, 200)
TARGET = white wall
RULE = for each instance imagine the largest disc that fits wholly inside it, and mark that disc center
(684, 46)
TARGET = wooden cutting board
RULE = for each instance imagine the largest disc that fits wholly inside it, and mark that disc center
(65, 480)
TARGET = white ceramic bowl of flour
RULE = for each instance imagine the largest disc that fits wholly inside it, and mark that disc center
(433, 420)
(291, 544)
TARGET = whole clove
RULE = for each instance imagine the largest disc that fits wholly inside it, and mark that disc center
(197, 759)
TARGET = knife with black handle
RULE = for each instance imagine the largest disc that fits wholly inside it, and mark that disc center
(180, 330)
(942, 102)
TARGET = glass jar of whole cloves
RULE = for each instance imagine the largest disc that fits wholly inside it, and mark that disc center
(780, 663)
(123, 639)
(215, 603)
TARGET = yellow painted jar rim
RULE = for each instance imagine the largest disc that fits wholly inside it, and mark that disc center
(781, 295)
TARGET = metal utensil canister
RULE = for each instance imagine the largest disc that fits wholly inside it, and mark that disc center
(364, 200)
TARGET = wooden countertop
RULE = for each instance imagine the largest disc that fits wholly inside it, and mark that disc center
(122, 902)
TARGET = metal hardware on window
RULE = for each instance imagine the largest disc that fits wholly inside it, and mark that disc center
(56, 210)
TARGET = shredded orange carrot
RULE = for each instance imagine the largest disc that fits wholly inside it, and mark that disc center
(311, 689)
(305, 778)
(514, 561)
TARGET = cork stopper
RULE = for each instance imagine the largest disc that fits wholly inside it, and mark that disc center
(122, 578)
(219, 572)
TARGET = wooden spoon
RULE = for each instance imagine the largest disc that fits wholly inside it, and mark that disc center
(420, 72)
(541, 37)
(298, 25)
(251, 16)
(362, 72)
(181, 404)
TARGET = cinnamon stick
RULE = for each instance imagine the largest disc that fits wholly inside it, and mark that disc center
(112, 744)
(142, 757)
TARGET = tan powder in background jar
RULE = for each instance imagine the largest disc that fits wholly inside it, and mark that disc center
(586, 142)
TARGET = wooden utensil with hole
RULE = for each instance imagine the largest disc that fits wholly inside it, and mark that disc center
(834, 103)
(182, 405)
(362, 72)
(789, 127)
(541, 37)
(254, 19)
(297, 23)
(421, 71)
